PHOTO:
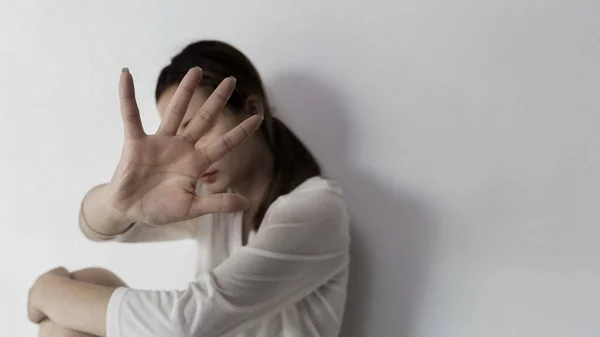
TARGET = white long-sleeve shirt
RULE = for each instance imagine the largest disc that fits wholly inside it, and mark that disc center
(289, 280)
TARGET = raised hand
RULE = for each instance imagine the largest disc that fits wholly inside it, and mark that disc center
(155, 180)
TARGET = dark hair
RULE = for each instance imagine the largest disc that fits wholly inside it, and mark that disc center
(293, 162)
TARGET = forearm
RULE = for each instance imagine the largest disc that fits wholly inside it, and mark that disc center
(74, 304)
(95, 215)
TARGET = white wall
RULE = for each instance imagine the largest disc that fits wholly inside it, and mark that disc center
(465, 133)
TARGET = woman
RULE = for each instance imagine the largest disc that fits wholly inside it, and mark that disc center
(272, 234)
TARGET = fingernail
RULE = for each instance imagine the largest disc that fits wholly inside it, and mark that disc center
(198, 68)
(262, 117)
(125, 70)
(233, 79)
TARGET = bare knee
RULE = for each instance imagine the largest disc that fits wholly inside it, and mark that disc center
(98, 276)
(51, 329)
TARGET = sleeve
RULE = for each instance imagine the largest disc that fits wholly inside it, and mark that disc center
(302, 243)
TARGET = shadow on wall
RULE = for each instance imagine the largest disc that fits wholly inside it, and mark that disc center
(391, 230)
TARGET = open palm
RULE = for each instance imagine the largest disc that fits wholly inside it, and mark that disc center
(155, 181)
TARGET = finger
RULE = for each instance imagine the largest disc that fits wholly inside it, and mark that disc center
(216, 149)
(218, 203)
(129, 109)
(180, 101)
(204, 117)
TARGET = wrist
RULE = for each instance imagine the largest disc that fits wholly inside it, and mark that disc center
(100, 215)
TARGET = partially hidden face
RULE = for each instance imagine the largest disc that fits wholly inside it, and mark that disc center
(235, 166)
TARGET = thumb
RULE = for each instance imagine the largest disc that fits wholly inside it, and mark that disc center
(218, 203)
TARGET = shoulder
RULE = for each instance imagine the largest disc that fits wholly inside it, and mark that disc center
(316, 201)
(311, 219)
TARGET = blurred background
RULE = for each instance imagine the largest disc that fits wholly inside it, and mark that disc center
(465, 134)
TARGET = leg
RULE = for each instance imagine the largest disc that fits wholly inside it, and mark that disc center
(91, 275)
